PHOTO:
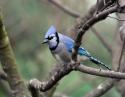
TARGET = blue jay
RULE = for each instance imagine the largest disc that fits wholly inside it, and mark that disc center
(61, 48)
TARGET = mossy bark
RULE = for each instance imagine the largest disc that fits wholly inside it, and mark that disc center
(10, 66)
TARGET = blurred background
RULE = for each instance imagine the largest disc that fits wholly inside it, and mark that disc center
(27, 21)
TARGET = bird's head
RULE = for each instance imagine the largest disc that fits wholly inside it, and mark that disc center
(51, 37)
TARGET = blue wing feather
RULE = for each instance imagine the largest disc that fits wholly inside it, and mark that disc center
(69, 42)
(83, 52)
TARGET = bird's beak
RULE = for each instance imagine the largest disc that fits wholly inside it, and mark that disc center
(45, 41)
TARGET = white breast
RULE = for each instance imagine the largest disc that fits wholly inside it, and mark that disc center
(61, 54)
(58, 58)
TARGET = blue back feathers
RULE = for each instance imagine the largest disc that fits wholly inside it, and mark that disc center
(69, 42)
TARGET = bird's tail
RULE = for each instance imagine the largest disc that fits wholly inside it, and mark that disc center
(96, 61)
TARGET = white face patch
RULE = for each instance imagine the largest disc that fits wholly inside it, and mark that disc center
(52, 41)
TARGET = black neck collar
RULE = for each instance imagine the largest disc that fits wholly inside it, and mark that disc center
(53, 48)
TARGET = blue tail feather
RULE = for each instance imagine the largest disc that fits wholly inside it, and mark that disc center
(84, 52)
(96, 61)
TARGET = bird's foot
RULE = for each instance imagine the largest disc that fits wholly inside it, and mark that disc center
(75, 64)
(100, 69)
(35, 83)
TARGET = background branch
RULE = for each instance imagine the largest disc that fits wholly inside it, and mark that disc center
(65, 9)
(97, 92)
(4, 87)
(9, 65)
(90, 22)
(101, 88)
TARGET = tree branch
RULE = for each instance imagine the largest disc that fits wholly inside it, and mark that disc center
(101, 88)
(97, 92)
(64, 8)
(84, 27)
(3, 76)
(63, 71)
(34, 91)
(97, 72)
(9, 65)
(105, 86)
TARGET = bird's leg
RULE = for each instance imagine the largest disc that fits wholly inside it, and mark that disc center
(74, 64)
(100, 68)
(65, 65)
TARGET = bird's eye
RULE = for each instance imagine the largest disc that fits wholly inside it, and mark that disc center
(50, 37)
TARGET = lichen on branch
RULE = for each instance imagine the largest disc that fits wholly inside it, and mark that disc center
(9, 64)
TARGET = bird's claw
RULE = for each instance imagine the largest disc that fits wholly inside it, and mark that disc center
(100, 69)
(35, 83)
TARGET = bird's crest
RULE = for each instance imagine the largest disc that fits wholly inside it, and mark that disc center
(50, 31)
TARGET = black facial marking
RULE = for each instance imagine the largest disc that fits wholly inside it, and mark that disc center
(57, 36)
(50, 37)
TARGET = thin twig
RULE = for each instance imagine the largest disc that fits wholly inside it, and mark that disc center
(81, 31)
(102, 39)
(65, 8)
(101, 89)
(116, 18)
(121, 55)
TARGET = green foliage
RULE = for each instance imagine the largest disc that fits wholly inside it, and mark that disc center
(82, 90)
(2, 94)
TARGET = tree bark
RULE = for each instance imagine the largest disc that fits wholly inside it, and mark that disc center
(10, 66)
(120, 40)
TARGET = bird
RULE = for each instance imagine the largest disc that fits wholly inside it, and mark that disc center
(61, 47)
